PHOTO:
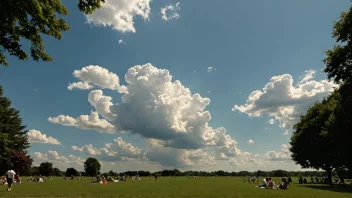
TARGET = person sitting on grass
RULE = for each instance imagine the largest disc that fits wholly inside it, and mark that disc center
(18, 179)
(300, 181)
(342, 181)
(3, 181)
(271, 184)
(283, 184)
(265, 183)
(305, 181)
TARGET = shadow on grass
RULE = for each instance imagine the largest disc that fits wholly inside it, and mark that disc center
(334, 188)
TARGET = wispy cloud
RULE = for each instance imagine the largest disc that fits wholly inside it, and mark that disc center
(170, 12)
(210, 69)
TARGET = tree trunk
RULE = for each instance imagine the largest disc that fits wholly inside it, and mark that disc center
(328, 170)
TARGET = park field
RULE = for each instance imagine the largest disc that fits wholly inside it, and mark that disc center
(169, 187)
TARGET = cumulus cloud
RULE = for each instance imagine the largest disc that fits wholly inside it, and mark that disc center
(121, 42)
(284, 101)
(92, 76)
(170, 12)
(120, 14)
(61, 162)
(309, 74)
(171, 157)
(86, 122)
(210, 69)
(250, 141)
(244, 161)
(112, 152)
(271, 121)
(35, 136)
(154, 106)
(283, 155)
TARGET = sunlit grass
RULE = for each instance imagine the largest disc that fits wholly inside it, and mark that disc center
(168, 187)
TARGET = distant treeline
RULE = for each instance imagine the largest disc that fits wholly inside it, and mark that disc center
(175, 173)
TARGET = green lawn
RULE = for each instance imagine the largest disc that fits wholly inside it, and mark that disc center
(168, 187)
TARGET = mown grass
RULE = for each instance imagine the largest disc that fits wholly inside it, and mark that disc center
(169, 187)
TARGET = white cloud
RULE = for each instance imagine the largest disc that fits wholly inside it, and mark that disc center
(75, 148)
(171, 157)
(86, 122)
(121, 42)
(120, 14)
(210, 69)
(101, 103)
(245, 161)
(112, 152)
(284, 101)
(271, 121)
(308, 76)
(61, 162)
(35, 136)
(283, 155)
(250, 141)
(170, 12)
(80, 85)
(156, 107)
(92, 75)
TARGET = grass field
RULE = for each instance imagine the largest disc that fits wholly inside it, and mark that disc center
(169, 187)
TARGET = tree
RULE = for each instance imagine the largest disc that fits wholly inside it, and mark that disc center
(340, 123)
(312, 146)
(339, 66)
(57, 172)
(112, 173)
(46, 168)
(92, 167)
(339, 60)
(13, 136)
(71, 171)
(21, 162)
(23, 19)
(34, 171)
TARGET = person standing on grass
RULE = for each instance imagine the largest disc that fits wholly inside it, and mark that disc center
(10, 176)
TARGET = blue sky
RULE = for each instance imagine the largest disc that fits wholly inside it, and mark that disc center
(247, 42)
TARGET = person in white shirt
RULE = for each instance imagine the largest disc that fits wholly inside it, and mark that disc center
(10, 176)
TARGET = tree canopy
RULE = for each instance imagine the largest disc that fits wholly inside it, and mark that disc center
(92, 167)
(71, 171)
(339, 59)
(13, 138)
(46, 168)
(311, 145)
(29, 20)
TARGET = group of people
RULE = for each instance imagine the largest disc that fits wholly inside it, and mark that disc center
(37, 178)
(268, 183)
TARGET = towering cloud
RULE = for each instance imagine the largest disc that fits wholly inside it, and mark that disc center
(285, 101)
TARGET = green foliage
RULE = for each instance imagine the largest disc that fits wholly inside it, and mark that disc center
(339, 60)
(71, 171)
(46, 168)
(57, 172)
(92, 167)
(339, 124)
(322, 136)
(29, 20)
(112, 173)
(89, 6)
(21, 163)
(13, 137)
(34, 171)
